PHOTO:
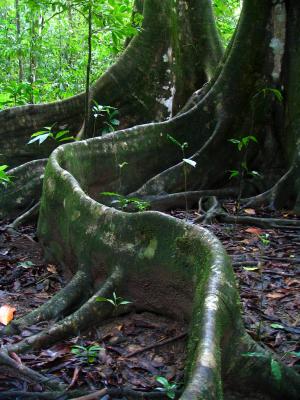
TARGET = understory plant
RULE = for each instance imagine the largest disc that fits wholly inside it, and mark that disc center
(242, 172)
(115, 301)
(60, 136)
(109, 114)
(125, 202)
(186, 161)
(166, 387)
(86, 353)
(4, 177)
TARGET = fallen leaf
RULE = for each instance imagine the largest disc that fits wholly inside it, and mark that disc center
(250, 211)
(276, 296)
(254, 231)
(6, 314)
(51, 268)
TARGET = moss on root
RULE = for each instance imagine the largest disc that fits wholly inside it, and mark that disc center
(167, 266)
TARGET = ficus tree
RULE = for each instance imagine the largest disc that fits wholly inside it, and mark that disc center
(159, 263)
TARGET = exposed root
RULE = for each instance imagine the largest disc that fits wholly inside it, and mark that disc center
(174, 178)
(256, 367)
(74, 292)
(19, 370)
(84, 317)
(210, 209)
(271, 223)
(32, 212)
(157, 344)
(78, 394)
(24, 191)
(271, 197)
(208, 212)
(121, 393)
(170, 201)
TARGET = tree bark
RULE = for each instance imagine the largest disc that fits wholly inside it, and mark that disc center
(162, 264)
(140, 84)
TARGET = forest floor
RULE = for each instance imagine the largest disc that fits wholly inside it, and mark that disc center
(138, 348)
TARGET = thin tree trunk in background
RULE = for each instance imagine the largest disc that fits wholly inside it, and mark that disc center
(88, 72)
(18, 37)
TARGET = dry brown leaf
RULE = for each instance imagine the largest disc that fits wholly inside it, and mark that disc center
(254, 231)
(250, 211)
(51, 268)
(6, 314)
(276, 296)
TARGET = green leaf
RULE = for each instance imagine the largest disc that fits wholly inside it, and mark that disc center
(111, 194)
(276, 370)
(234, 141)
(40, 138)
(171, 394)
(251, 268)
(294, 353)
(234, 173)
(39, 133)
(26, 264)
(163, 381)
(190, 162)
(253, 138)
(99, 298)
(173, 140)
(61, 133)
(277, 326)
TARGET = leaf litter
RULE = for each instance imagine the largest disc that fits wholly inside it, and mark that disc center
(267, 266)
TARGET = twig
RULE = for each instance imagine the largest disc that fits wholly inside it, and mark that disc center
(122, 392)
(157, 344)
(24, 217)
(20, 370)
(118, 392)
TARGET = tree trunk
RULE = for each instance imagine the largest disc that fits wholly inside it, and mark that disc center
(162, 264)
(140, 84)
(18, 40)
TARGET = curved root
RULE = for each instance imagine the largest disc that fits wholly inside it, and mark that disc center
(181, 199)
(20, 370)
(24, 191)
(32, 212)
(72, 293)
(89, 313)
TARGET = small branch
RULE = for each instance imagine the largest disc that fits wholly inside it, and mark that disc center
(260, 222)
(72, 395)
(20, 370)
(24, 217)
(157, 344)
(177, 200)
(123, 392)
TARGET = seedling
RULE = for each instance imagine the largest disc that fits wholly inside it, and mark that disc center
(121, 166)
(116, 301)
(124, 202)
(87, 353)
(270, 91)
(186, 161)
(109, 113)
(26, 264)
(4, 177)
(167, 387)
(264, 238)
(42, 136)
(243, 170)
